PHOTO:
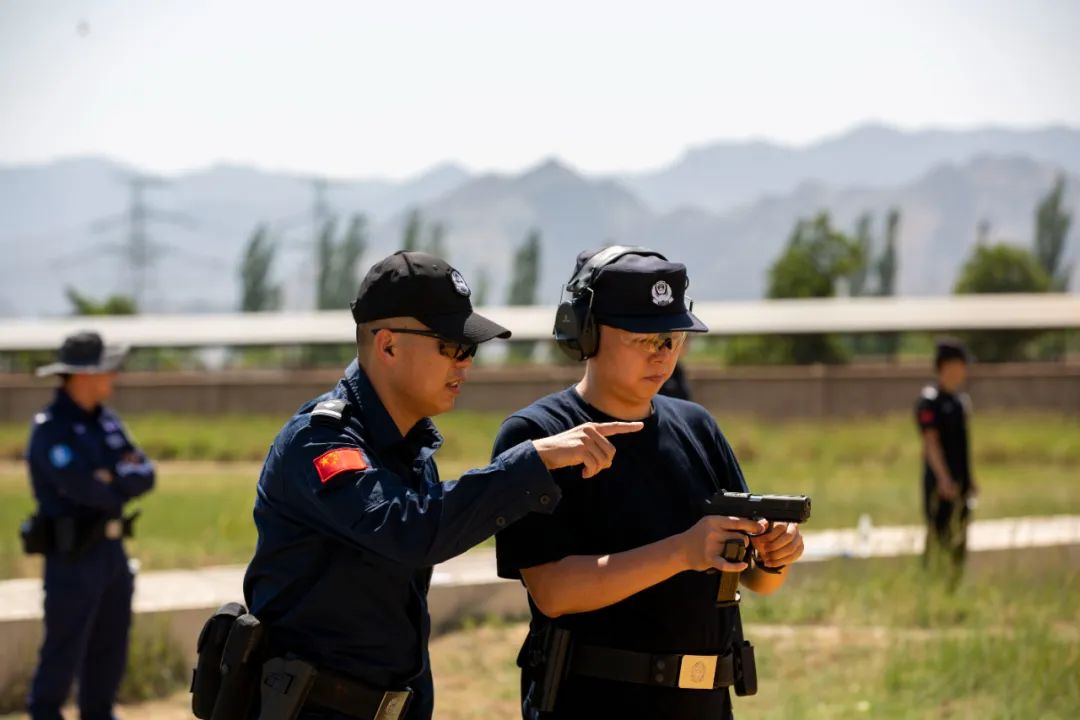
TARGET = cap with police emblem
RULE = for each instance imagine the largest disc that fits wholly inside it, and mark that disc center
(425, 287)
(84, 352)
(641, 293)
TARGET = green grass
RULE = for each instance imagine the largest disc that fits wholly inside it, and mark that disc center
(1031, 673)
(156, 667)
(879, 638)
(201, 513)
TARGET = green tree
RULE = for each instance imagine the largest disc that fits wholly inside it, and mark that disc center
(481, 287)
(112, 305)
(339, 263)
(347, 261)
(1001, 268)
(864, 239)
(886, 264)
(257, 293)
(524, 282)
(410, 236)
(437, 241)
(325, 278)
(1051, 229)
(817, 256)
(525, 273)
(888, 343)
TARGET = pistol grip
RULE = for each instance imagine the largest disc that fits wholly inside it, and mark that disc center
(728, 593)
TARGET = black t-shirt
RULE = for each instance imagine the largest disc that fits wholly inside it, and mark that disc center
(946, 413)
(655, 488)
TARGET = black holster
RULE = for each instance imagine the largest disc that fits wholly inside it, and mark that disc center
(241, 666)
(547, 660)
(206, 677)
(286, 683)
(743, 663)
(37, 535)
(73, 535)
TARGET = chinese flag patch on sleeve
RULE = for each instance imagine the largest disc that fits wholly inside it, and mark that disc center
(926, 416)
(335, 462)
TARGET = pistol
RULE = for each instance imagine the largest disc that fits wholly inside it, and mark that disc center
(772, 508)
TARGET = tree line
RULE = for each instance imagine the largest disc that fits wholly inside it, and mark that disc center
(819, 260)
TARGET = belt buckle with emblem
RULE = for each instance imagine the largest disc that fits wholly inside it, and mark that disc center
(697, 672)
(393, 705)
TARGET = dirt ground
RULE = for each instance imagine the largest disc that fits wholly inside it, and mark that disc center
(474, 670)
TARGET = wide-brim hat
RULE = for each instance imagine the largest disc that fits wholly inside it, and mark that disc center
(85, 353)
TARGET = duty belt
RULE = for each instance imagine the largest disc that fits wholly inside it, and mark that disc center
(355, 699)
(693, 672)
(289, 683)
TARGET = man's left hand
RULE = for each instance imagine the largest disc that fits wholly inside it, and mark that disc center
(781, 545)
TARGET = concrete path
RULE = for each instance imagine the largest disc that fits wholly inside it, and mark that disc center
(207, 588)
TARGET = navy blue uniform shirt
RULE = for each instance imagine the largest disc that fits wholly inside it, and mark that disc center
(342, 565)
(655, 488)
(84, 464)
(946, 413)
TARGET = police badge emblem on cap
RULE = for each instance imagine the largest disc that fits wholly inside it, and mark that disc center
(459, 283)
(662, 294)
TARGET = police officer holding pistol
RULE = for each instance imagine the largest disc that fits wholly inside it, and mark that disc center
(352, 515)
(625, 619)
(83, 467)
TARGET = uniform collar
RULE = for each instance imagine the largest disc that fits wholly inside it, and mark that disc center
(384, 432)
(63, 405)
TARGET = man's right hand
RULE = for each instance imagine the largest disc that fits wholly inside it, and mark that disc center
(586, 445)
(948, 490)
(703, 543)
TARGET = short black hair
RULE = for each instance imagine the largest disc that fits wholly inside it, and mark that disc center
(946, 349)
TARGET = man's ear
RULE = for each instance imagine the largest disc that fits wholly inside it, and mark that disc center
(384, 345)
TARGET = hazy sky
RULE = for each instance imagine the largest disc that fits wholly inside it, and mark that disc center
(390, 88)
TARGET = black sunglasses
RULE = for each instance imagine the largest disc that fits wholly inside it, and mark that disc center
(447, 348)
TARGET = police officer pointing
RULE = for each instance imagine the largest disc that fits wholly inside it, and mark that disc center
(83, 467)
(350, 510)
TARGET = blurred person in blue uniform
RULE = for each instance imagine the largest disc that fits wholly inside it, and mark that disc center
(625, 618)
(350, 510)
(83, 467)
(949, 488)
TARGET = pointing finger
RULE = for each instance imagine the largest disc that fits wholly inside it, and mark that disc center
(600, 442)
(618, 428)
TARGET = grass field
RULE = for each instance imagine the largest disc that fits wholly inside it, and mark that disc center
(847, 640)
(200, 512)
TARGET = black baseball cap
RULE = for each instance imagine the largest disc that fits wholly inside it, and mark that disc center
(425, 287)
(641, 293)
(84, 353)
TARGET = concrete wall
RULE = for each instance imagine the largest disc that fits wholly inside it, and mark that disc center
(773, 393)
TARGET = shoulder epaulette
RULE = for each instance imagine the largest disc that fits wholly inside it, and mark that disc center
(331, 412)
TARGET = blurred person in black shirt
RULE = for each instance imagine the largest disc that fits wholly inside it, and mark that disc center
(948, 483)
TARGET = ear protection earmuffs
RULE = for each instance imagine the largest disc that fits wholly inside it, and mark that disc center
(575, 331)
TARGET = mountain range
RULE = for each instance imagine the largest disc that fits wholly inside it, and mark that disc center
(725, 210)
